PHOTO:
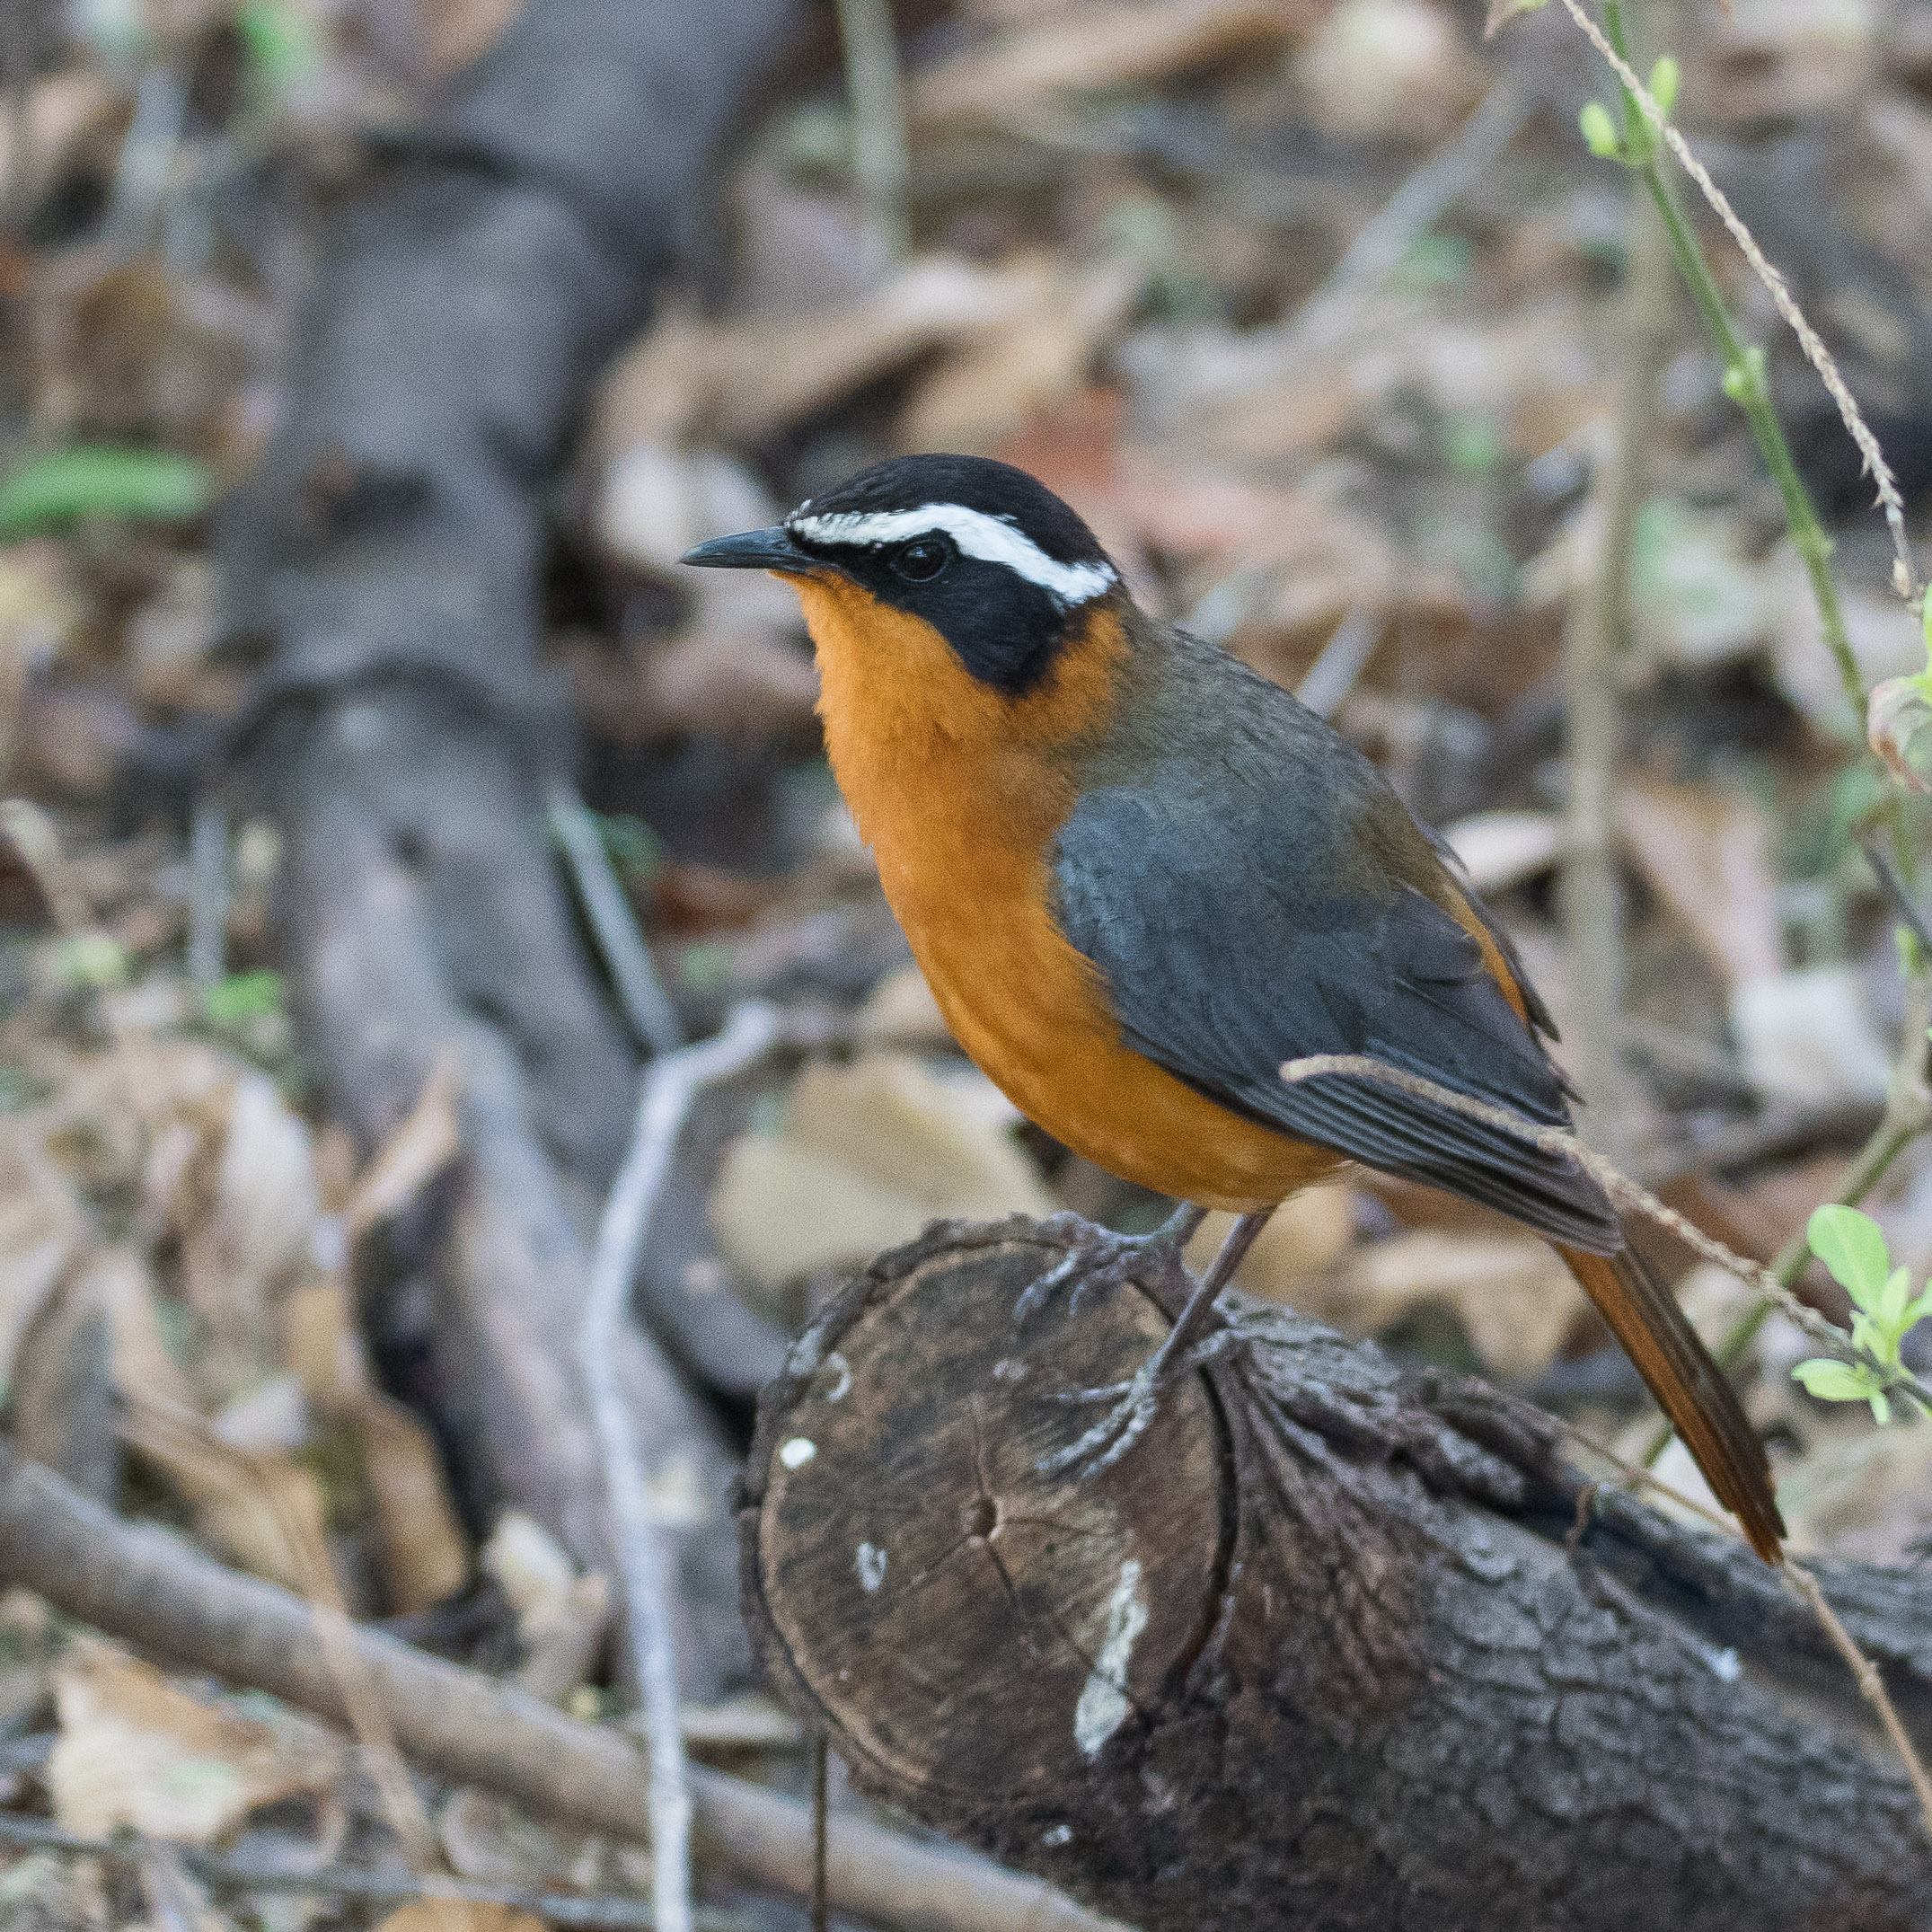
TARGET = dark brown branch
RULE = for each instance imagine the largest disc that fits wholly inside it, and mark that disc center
(150, 1590)
(1319, 1651)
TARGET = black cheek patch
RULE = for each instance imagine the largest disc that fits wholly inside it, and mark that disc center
(1005, 630)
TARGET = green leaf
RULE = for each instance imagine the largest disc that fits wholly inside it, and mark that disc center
(1834, 1382)
(241, 997)
(281, 45)
(1892, 1299)
(1600, 131)
(92, 959)
(1663, 79)
(1853, 1246)
(100, 479)
(1914, 1312)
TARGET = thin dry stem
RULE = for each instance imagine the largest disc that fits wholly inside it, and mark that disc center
(1870, 1683)
(1627, 1192)
(1904, 576)
(669, 1088)
(368, 1717)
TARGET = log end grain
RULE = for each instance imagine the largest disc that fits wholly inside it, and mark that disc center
(910, 1548)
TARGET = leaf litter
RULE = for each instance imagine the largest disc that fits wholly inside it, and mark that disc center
(1117, 212)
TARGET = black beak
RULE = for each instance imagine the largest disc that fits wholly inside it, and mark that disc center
(755, 549)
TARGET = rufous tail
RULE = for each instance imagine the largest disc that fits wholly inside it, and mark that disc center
(1693, 1391)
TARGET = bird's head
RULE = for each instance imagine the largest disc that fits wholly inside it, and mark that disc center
(979, 553)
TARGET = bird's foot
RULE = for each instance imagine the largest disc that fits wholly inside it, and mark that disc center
(1098, 1257)
(1135, 1403)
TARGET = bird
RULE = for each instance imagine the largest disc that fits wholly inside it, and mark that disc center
(1139, 877)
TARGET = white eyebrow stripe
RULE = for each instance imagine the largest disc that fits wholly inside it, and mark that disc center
(990, 539)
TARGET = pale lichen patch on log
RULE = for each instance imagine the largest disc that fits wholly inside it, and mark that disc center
(1104, 1704)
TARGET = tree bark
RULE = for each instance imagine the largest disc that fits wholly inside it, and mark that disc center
(385, 558)
(1332, 1646)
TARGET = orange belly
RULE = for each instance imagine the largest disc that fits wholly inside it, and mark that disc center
(961, 793)
(1031, 1012)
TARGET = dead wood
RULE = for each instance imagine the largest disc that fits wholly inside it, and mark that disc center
(384, 557)
(1325, 1648)
(149, 1589)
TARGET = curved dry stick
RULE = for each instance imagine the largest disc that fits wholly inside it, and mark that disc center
(670, 1086)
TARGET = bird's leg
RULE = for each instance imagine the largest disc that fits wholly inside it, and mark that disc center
(1098, 1257)
(1137, 1401)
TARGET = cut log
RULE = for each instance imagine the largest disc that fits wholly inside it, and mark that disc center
(1331, 1647)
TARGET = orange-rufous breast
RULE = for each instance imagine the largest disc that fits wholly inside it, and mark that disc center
(960, 791)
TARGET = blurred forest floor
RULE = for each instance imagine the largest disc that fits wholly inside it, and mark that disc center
(1115, 219)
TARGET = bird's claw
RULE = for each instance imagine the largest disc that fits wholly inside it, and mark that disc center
(1135, 1404)
(1095, 1257)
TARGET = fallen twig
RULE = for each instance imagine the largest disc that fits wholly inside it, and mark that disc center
(1414, 207)
(154, 1592)
(1620, 1189)
(647, 1007)
(593, 1914)
(670, 1086)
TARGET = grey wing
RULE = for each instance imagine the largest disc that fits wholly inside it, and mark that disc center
(1222, 961)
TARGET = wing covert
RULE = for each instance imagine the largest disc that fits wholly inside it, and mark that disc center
(1232, 939)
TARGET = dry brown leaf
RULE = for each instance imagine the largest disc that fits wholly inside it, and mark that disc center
(38, 613)
(425, 1556)
(687, 379)
(1499, 850)
(135, 1751)
(737, 664)
(1113, 47)
(1764, 60)
(321, 1346)
(1709, 855)
(43, 1230)
(119, 1281)
(869, 1154)
(995, 385)
(1379, 70)
(425, 1142)
(1514, 1297)
(66, 113)
(1859, 1492)
(901, 1010)
(1810, 1037)
(465, 1915)
(239, 1248)
(167, 641)
(457, 32)
(530, 1567)
(945, 1140)
(1310, 1234)
(262, 1510)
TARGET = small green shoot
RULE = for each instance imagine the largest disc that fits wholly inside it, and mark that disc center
(100, 479)
(242, 997)
(1853, 1246)
(1600, 131)
(93, 960)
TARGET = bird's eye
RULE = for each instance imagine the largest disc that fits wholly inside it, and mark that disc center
(921, 559)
